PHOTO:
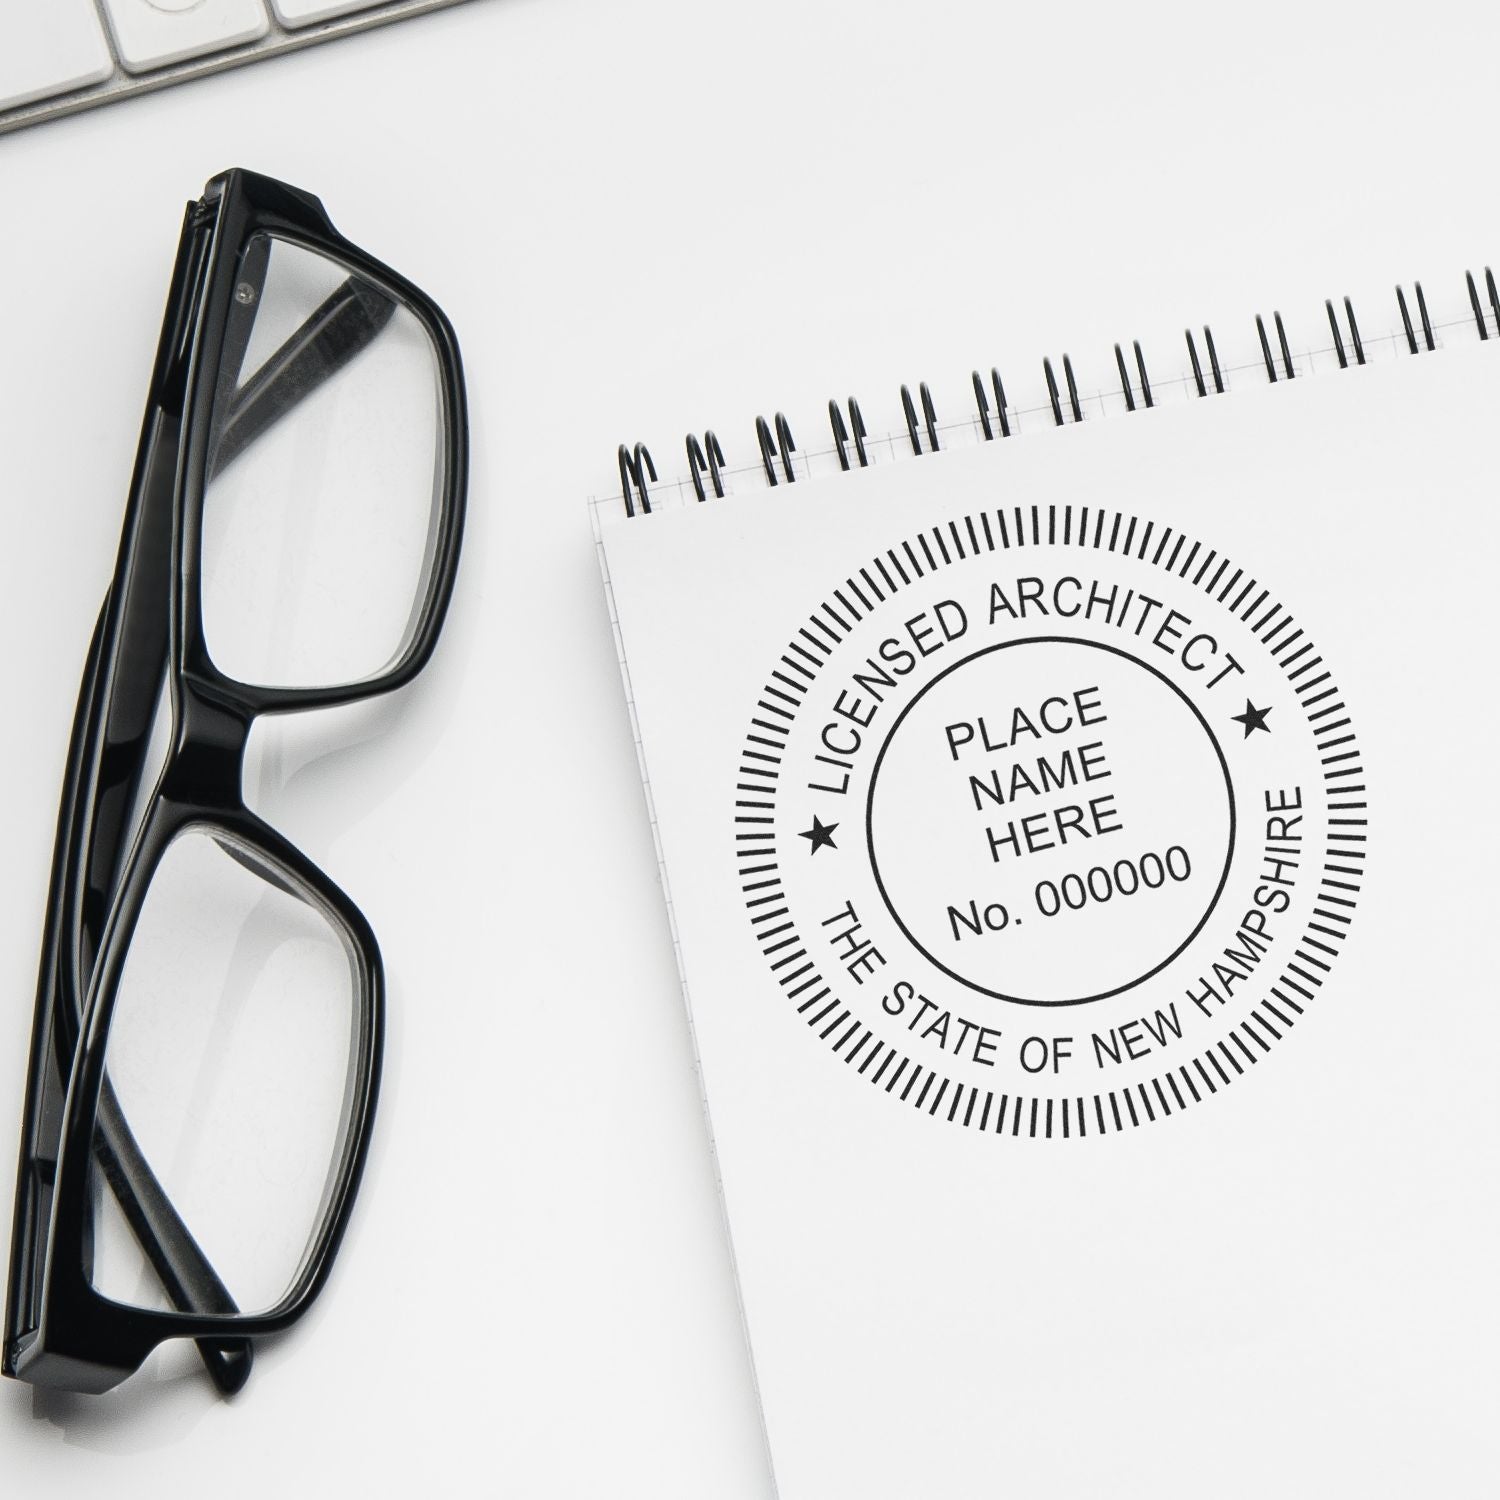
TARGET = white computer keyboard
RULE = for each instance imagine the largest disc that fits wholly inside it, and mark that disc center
(57, 56)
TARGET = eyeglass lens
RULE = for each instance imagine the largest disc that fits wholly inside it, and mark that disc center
(229, 1066)
(325, 473)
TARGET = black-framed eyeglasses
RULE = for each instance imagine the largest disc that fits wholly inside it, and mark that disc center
(206, 1045)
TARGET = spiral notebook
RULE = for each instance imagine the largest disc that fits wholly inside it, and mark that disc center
(1074, 822)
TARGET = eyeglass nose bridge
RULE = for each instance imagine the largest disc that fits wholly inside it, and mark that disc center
(208, 748)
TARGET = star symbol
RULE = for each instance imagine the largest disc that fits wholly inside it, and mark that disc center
(1252, 718)
(820, 834)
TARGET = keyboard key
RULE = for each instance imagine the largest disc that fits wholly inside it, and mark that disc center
(48, 47)
(305, 12)
(152, 33)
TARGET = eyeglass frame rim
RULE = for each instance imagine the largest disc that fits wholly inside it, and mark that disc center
(213, 712)
(314, 233)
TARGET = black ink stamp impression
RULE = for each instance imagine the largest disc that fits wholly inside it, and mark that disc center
(1050, 822)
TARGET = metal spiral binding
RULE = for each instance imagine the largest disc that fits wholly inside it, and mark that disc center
(929, 416)
(770, 445)
(1484, 332)
(841, 433)
(1140, 364)
(1265, 347)
(1213, 360)
(1489, 286)
(630, 473)
(707, 465)
(1057, 415)
(982, 401)
(697, 463)
(1411, 338)
(1338, 341)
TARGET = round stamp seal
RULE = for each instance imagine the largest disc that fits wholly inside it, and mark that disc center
(1050, 821)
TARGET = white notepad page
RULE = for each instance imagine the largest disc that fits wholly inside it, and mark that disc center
(1081, 854)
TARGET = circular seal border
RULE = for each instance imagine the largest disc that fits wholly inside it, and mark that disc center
(925, 1088)
(1063, 640)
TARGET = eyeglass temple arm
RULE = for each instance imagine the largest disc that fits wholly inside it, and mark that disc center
(176, 1257)
(185, 1272)
(346, 323)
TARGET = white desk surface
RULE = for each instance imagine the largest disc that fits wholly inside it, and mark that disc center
(640, 218)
